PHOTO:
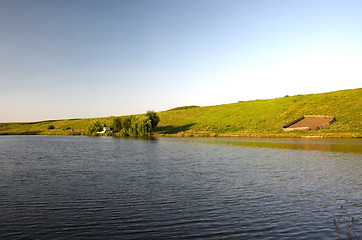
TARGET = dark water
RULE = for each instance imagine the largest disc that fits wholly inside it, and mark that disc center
(62, 187)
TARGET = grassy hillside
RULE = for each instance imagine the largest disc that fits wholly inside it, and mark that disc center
(249, 118)
(267, 117)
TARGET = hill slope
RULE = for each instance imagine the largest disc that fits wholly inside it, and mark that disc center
(250, 118)
(267, 117)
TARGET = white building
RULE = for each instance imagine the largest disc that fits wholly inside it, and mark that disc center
(106, 129)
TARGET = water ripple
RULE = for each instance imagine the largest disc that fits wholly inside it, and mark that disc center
(107, 188)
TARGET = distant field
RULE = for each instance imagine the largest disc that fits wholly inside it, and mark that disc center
(263, 118)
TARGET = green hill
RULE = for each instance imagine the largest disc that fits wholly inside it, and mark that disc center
(249, 118)
(267, 117)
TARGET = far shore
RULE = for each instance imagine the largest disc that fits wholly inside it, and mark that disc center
(206, 135)
(256, 118)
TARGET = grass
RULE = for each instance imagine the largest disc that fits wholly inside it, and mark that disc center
(344, 225)
(248, 118)
(267, 117)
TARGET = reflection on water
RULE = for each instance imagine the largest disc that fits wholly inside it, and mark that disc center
(333, 145)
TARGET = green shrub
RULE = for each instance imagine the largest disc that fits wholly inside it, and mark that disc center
(94, 127)
(120, 123)
(155, 119)
(123, 133)
(140, 126)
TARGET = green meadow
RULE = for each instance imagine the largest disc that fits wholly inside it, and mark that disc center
(257, 118)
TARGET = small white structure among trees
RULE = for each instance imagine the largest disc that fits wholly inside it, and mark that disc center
(105, 129)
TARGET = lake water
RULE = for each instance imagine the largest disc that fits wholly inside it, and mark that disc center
(73, 187)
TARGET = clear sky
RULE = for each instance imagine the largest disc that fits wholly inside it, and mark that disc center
(64, 59)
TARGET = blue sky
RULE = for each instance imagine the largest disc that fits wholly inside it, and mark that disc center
(79, 59)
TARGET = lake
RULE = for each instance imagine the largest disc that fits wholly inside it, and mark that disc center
(75, 187)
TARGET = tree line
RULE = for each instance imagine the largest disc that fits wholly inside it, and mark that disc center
(128, 126)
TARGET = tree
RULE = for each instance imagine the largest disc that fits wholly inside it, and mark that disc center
(122, 124)
(143, 126)
(95, 127)
(117, 124)
(155, 119)
(126, 122)
(129, 125)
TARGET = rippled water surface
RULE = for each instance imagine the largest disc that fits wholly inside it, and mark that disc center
(63, 187)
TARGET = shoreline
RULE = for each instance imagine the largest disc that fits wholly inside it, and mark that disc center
(203, 135)
(253, 136)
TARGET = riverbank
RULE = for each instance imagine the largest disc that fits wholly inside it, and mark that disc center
(261, 135)
(257, 118)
